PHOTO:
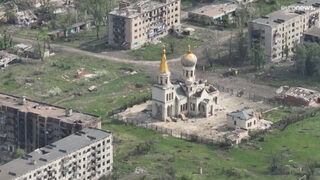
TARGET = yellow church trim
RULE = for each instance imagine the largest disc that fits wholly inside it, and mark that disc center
(164, 65)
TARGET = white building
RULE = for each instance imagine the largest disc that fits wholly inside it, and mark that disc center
(189, 97)
(281, 30)
(244, 119)
(84, 155)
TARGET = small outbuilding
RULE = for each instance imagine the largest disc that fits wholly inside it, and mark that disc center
(245, 118)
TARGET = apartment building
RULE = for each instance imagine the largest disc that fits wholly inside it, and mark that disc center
(131, 25)
(283, 29)
(29, 125)
(84, 155)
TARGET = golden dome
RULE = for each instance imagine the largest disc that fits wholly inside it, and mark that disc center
(189, 59)
(164, 65)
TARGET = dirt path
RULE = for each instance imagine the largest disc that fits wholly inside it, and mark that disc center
(105, 55)
(151, 67)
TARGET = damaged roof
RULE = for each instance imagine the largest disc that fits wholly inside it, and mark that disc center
(243, 114)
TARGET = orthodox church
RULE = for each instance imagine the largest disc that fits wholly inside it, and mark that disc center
(189, 97)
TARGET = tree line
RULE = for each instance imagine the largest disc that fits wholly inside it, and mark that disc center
(307, 59)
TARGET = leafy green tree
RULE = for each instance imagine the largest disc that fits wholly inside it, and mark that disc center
(274, 160)
(172, 46)
(309, 168)
(225, 21)
(43, 42)
(242, 44)
(19, 153)
(286, 49)
(257, 55)
(299, 58)
(6, 40)
(10, 16)
(98, 9)
(313, 59)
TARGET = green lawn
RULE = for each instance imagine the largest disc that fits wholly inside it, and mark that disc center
(153, 52)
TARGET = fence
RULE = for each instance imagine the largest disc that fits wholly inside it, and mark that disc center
(193, 137)
(174, 133)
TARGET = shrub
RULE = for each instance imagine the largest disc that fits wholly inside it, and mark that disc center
(143, 148)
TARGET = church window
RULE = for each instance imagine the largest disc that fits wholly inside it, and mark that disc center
(235, 123)
(191, 73)
(181, 108)
(166, 80)
(187, 73)
(167, 97)
(160, 80)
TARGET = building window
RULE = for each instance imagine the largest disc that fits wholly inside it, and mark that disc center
(235, 123)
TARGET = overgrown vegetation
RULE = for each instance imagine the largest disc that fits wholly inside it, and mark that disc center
(307, 59)
(175, 47)
(5, 40)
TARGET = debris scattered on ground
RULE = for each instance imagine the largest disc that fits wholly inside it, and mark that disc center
(92, 88)
(139, 170)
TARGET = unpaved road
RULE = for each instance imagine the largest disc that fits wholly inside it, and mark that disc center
(151, 68)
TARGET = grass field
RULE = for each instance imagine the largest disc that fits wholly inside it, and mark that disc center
(55, 81)
(296, 144)
(162, 157)
(153, 52)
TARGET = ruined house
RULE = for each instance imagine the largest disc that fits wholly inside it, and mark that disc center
(26, 17)
(245, 118)
(299, 96)
(131, 25)
(28, 51)
(29, 125)
(7, 58)
(213, 13)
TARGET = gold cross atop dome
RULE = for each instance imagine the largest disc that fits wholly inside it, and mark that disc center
(164, 65)
(189, 48)
(189, 54)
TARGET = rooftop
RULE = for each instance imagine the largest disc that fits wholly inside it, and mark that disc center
(278, 17)
(243, 114)
(135, 9)
(216, 10)
(52, 152)
(46, 110)
(302, 93)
